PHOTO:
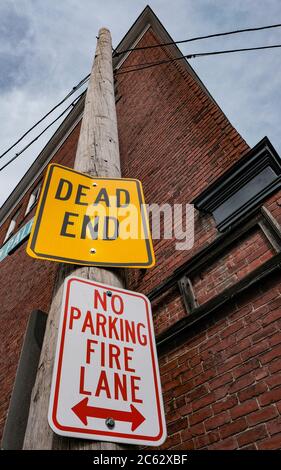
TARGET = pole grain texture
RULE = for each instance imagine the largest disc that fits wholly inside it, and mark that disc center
(97, 155)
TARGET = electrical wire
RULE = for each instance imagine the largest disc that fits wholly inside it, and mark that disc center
(42, 132)
(137, 68)
(193, 56)
(74, 89)
(198, 38)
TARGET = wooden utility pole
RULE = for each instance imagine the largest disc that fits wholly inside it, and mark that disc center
(97, 155)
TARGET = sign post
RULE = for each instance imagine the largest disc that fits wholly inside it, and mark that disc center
(97, 155)
(106, 383)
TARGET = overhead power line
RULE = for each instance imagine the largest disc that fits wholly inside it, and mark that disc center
(41, 133)
(137, 68)
(192, 56)
(198, 38)
(74, 89)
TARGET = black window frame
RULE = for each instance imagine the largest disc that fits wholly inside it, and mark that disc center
(242, 175)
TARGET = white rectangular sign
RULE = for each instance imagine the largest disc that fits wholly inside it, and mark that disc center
(106, 383)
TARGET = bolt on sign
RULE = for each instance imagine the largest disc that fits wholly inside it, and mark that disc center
(106, 383)
(91, 221)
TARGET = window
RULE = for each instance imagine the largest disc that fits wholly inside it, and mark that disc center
(12, 225)
(241, 190)
(33, 198)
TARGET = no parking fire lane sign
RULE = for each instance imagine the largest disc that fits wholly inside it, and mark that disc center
(106, 383)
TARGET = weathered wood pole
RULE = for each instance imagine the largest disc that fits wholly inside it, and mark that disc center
(97, 155)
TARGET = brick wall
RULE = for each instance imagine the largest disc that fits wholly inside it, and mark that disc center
(222, 384)
(247, 254)
(176, 140)
(25, 284)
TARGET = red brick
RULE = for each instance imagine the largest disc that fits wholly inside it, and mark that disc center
(260, 416)
(229, 364)
(169, 366)
(187, 355)
(269, 356)
(238, 347)
(273, 443)
(233, 428)
(187, 445)
(209, 343)
(216, 421)
(226, 444)
(252, 364)
(253, 391)
(232, 329)
(196, 405)
(240, 313)
(200, 416)
(250, 447)
(261, 373)
(271, 317)
(195, 361)
(275, 339)
(211, 360)
(170, 384)
(185, 409)
(265, 298)
(275, 304)
(252, 435)
(274, 426)
(270, 397)
(221, 380)
(193, 431)
(206, 439)
(273, 381)
(256, 350)
(204, 377)
(210, 398)
(177, 425)
(264, 333)
(191, 373)
(171, 441)
(256, 315)
(183, 389)
(244, 409)
(241, 383)
(196, 393)
(275, 366)
(225, 404)
(248, 331)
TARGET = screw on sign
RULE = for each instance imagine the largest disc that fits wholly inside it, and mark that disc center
(106, 383)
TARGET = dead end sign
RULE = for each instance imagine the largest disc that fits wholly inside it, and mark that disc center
(91, 221)
(106, 382)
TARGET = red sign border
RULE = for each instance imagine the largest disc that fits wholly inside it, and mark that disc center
(59, 367)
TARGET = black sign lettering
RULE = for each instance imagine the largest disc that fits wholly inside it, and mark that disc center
(67, 222)
(80, 193)
(118, 197)
(93, 227)
(102, 197)
(64, 185)
(106, 235)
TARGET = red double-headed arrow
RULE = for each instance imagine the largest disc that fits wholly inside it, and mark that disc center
(84, 411)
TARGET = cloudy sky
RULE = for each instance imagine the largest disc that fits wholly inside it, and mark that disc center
(47, 46)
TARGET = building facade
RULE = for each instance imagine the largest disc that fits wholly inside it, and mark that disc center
(217, 306)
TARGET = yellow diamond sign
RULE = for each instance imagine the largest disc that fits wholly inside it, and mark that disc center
(91, 221)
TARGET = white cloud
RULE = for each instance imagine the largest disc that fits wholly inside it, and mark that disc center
(47, 47)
